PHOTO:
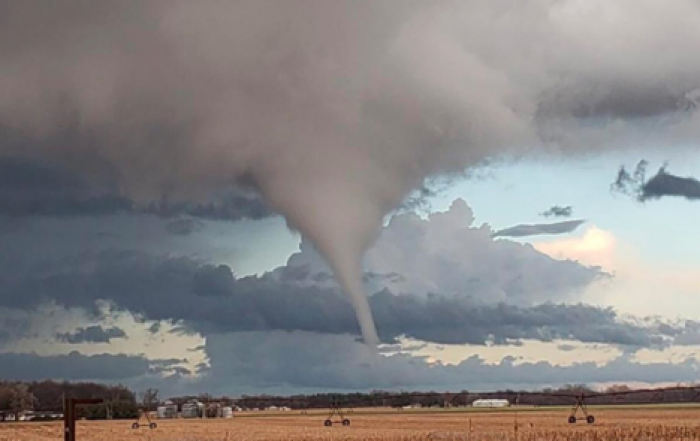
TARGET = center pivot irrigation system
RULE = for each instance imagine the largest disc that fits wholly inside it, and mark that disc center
(150, 397)
(579, 401)
(336, 409)
(145, 414)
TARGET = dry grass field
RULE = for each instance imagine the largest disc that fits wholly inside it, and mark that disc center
(649, 424)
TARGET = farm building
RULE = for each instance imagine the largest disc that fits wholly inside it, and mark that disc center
(167, 411)
(491, 403)
(193, 409)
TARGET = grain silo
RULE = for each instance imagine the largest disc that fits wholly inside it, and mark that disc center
(167, 410)
(193, 409)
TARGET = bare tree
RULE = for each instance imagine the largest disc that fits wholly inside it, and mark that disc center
(149, 399)
(16, 398)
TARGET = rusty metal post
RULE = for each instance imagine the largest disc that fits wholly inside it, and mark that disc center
(69, 415)
(68, 431)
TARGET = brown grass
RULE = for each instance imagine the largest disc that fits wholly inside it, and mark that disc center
(653, 424)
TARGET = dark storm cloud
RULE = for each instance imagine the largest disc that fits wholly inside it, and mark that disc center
(461, 320)
(14, 324)
(300, 98)
(558, 211)
(663, 184)
(605, 99)
(73, 366)
(245, 362)
(33, 188)
(419, 200)
(230, 206)
(91, 334)
(217, 281)
(183, 226)
(539, 229)
(207, 298)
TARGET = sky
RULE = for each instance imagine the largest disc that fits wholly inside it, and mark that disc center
(291, 197)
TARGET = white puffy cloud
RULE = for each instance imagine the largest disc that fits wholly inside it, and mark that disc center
(447, 254)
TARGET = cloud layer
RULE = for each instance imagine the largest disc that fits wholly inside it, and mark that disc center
(207, 298)
(539, 229)
(443, 293)
(438, 279)
(333, 112)
(280, 362)
(32, 188)
(73, 366)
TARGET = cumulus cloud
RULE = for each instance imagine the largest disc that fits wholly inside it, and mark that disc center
(539, 229)
(447, 254)
(299, 100)
(558, 211)
(91, 334)
(594, 247)
(662, 184)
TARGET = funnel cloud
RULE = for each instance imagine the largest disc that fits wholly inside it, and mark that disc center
(332, 111)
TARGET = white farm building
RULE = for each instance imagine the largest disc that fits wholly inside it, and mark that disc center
(491, 403)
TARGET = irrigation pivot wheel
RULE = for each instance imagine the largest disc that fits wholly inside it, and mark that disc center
(328, 423)
(346, 422)
(135, 426)
(572, 419)
(590, 419)
(152, 426)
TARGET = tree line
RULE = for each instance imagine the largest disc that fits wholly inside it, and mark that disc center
(47, 396)
(121, 403)
(564, 395)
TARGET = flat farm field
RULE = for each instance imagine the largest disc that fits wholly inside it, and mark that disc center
(661, 423)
